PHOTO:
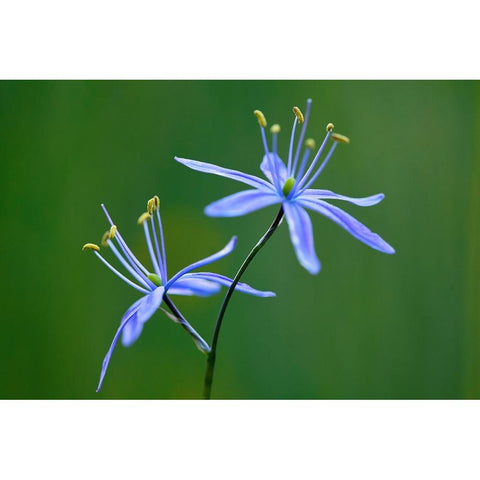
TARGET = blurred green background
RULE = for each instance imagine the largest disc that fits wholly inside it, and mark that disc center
(368, 326)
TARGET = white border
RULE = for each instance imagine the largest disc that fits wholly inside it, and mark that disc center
(213, 39)
(238, 440)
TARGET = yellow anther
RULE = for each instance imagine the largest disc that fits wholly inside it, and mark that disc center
(262, 121)
(151, 206)
(298, 113)
(144, 216)
(106, 236)
(275, 128)
(157, 201)
(113, 231)
(310, 143)
(340, 138)
(330, 127)
(91, 246)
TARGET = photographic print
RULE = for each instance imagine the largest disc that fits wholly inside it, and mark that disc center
(240, 239)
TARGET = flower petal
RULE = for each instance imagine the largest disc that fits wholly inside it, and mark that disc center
(280, 168)
(106, 360)
(311, 194)
(150, 304)
(193, 286)
(131, 332)
(225, 281)
(301, 234)
(133, 314)
(241, 203)
(226, 172)
(227, 249)
(133, 328)
(350, 224)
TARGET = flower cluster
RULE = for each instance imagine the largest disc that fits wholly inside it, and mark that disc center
(154, 285)
(289, 184)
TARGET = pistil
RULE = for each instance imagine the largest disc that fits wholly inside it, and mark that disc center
(288, 185)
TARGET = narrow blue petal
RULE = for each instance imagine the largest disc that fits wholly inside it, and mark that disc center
(350, 224)
(130, 315)
(133, 328)
(225, 281)
(193, 286)
(133, 308)
(226, 172)
(241, 203)
(150, 304)
(301, 234)
(131, 332)
(311, 194)
(280, 168)
(212, 258)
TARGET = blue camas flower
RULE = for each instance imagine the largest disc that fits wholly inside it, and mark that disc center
(155, 285)
(290, 185)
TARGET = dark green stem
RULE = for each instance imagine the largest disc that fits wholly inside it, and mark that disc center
(207, 385)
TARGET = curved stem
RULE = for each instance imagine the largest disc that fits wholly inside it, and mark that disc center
(207, 384)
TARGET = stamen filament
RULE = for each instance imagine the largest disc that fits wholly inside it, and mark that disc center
(305, 158)
(128, 253)
(123, 245)
(142, 271)
(126, 264)
(322, 166)
(274, 143)
(162, 240)
(153, 258)
(309, 146)
(105, 211)
(302, 136)
(157, 248)
(116, 272)
(300, 184)
(290, 150)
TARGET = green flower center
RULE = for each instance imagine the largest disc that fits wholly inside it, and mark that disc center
(155, 279)
(287, 187)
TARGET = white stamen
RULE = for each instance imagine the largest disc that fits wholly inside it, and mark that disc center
(116, 272)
